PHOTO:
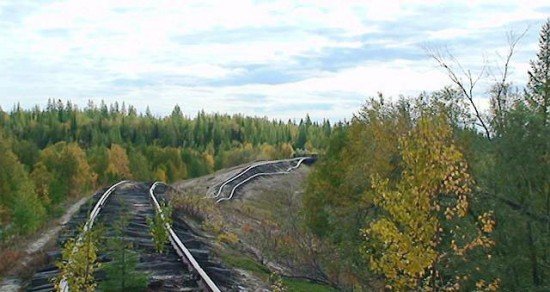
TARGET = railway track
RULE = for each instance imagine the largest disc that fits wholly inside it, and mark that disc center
(185, 266)
(227, 190)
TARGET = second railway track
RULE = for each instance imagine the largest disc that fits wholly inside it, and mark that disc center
(227, 189)
(185, 265)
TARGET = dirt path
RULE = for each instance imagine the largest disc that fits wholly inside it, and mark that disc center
(13, 283)
(49, 234)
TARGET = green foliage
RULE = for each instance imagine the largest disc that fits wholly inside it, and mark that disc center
(323, 183)
(518, 183)
(28, 212)
(121, 270)
(538, 87)
(298, 285)
(228, 139)
(387, 173)
(139, 166)
(157, 227)
(27, 152)
(244, 262)
(21, 209)
(168, 160)
(79, 262)
(515, 177)
(62, 151)
(334, 203)
(98, 158)
(71, 173)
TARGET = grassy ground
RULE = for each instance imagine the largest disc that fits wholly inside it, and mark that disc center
(297, 285)
(245, 262)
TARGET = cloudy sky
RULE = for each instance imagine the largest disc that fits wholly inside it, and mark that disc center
(280, 59)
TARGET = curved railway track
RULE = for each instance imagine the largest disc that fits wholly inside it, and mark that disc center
(186, 266)
(263, 168)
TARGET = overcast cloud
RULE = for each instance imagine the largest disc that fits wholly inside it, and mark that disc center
(280, 59)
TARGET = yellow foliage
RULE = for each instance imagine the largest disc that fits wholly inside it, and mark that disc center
(286, 150)
(160, 174)
(268, 152)
(228, 237)
(406, 243)
(67, 163)
(214, 225)
(209, 161)
(481, 285)
(79, 262)
(309, 147)
(42, 178)
(119, 164)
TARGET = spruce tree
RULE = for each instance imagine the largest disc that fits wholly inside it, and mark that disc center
(538, 88)
(121, 270)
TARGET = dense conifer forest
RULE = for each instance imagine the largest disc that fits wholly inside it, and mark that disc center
(62, 151)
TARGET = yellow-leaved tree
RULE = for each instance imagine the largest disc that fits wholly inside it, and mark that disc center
(67, 168)
(426, 233)
(119, 164)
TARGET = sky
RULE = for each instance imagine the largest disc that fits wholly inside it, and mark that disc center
(280, 59)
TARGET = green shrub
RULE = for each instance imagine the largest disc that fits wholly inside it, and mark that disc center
(157, 227)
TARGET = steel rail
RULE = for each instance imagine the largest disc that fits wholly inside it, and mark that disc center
(238, 175)
(63, 285)
(261, 174)
(180, 248)
(250, 167)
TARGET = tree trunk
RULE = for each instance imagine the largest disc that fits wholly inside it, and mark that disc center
(533, 255)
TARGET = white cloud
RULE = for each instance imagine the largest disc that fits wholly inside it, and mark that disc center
(75, 49)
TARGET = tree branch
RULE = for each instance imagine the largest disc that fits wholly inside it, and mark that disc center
(467, 90)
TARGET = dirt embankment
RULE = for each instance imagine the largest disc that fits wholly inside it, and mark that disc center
(257, 226)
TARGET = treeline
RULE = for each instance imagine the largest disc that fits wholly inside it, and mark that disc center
(414, 197)
(60, 152)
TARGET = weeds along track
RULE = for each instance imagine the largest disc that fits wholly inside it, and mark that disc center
(185, 264)
(228, 189)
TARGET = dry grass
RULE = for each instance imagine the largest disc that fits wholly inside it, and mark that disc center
(258, 225)
(206, 212)
(8, 259)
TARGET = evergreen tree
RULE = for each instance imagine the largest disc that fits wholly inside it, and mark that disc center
(157, 227)
(518, 181)
(538, 88)
(121, 270)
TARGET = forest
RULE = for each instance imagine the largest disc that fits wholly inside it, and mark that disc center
(61, 152)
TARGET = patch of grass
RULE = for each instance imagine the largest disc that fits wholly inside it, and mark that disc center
(245, 263)
(297, 285)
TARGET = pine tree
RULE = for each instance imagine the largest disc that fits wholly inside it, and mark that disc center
(538, 88)
(157, 227)
(121, 271)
